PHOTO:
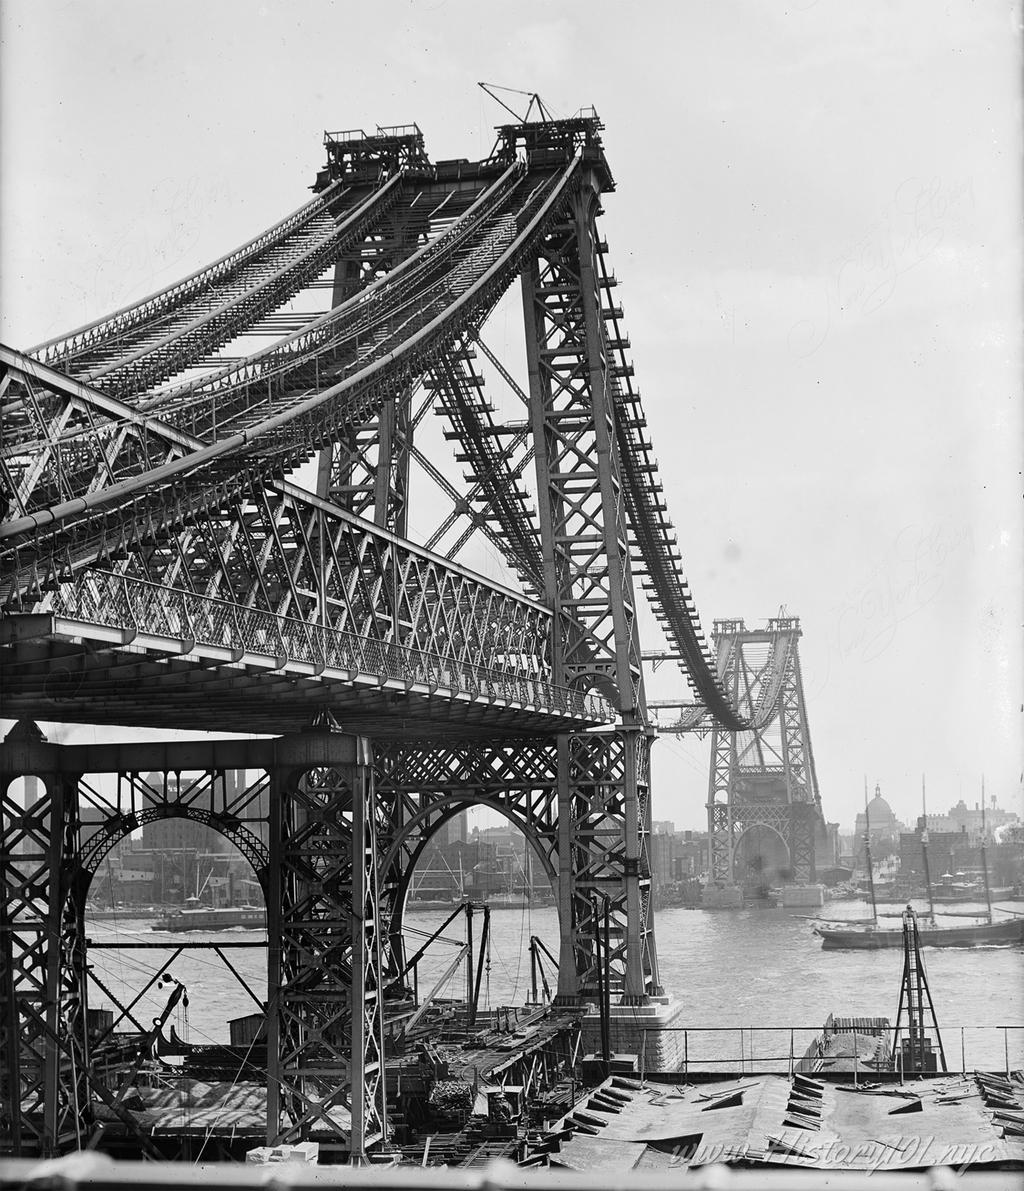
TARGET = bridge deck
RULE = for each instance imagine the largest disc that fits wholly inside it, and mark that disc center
(58, 669)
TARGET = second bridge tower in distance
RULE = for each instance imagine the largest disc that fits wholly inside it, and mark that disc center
(764, 809)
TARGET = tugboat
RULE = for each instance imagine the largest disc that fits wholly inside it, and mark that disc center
(195, 916)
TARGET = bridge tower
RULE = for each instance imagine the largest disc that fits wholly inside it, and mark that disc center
(764, 810)
(573, 550)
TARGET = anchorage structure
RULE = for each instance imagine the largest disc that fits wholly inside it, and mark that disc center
(764, 810)
(159, 570)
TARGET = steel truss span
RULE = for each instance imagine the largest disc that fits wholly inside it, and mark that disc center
(158, 568)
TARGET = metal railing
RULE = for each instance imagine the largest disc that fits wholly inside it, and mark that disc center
(780, 1049)
(136, 605)
(96, 1172)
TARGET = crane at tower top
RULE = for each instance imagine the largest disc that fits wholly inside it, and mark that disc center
(535, 101)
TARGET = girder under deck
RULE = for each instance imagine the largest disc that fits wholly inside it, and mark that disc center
(72, 675)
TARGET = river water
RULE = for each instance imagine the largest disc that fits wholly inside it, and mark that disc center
(734, 973)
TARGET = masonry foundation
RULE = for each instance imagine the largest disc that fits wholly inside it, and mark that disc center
(642, 1030)
(803, 896)
(722, 897)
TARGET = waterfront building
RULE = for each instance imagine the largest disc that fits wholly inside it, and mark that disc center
(885, 828)
(174, 833)
(964, 818)
(676, 856)
(943, 849)
(827, 848)
(481, 863)
(955, 852)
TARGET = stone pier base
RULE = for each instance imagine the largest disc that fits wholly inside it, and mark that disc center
(803, 896)
(722, 897)
(641, 1030)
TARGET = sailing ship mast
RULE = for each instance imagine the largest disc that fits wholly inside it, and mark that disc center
(984, 858)
(924, 853)
(867, 854)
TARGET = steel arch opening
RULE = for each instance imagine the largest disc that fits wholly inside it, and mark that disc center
(761, 860)
(439, 864)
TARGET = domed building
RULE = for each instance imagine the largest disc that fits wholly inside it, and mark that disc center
(882, 824)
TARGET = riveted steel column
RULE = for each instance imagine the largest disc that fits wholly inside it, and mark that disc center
(588, 584)
(275, 897)
(568, 991)
(43, 1044)
(326, 1060)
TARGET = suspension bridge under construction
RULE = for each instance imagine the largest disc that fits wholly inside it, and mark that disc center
(162, 566)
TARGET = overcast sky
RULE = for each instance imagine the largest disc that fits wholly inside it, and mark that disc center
(816, 228)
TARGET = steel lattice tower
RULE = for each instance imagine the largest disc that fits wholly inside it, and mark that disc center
(763, 778)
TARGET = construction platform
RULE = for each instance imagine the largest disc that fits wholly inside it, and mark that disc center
(470, 1086)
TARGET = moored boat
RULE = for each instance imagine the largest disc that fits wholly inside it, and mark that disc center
(850, 1044)
(870, 936)
(207, 918)
(969, 891)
